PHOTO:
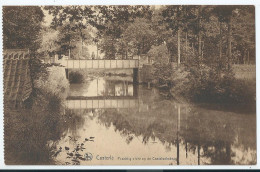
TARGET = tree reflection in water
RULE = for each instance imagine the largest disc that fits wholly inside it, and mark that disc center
(198, 135)
(209, 134)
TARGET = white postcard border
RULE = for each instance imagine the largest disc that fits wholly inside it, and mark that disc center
(133, 2)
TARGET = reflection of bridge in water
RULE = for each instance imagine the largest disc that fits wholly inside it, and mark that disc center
(102, 103)
(107, 95)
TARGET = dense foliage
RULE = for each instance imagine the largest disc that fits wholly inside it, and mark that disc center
(125, 31)
(21, 27)
(198, 43)
(192, 50)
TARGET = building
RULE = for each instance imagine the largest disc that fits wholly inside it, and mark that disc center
(17, 79)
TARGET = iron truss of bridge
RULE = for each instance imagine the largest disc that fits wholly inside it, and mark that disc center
(100, 64)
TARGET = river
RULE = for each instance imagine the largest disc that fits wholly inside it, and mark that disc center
(118, 123)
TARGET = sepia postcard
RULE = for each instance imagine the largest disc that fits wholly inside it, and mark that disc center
(129, 85)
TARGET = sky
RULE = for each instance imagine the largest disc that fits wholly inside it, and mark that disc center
(47, 18)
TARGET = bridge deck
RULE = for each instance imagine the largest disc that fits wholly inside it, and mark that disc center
(100, 64)
(102, 104)
(101, 97)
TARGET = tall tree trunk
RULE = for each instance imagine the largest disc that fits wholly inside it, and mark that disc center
(199, 41)
(244, 56)
(169, 54)
(143, 46)
(179, 47)
(220, 41)
(229, 53)
(186, 44)
(248, 60)
(228, 153)
(178, 130)
(186, 36)
(198, 154)
(220, 49)
(81, 36)
(81, 47)
(193, 51)
(126, 51)
(97, 50)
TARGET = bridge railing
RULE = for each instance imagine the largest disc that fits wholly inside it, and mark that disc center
(99, 64)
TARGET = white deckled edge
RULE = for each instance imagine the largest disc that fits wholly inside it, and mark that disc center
(2, 96)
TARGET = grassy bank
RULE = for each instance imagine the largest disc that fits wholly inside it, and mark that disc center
(245, 72)
(206, 85)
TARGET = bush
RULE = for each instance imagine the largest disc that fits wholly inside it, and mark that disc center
(76, 77)
(54, 82)
(208, 86)
(28, 131)
(162, 75)
(200, 81)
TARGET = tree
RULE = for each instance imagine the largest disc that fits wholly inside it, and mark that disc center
(21, 27)
(172, 17)
(72, 41)
(111, 23)
(243, 24)
(140, 35)
(107, 46)
(74, 22)
(178, 18)
(49, 46)
(66, 38)
(159, 54)
(224, 14)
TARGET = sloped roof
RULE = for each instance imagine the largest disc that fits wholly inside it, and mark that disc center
(17, 80)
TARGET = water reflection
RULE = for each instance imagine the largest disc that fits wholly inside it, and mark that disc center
(165, 131)
(104, 87)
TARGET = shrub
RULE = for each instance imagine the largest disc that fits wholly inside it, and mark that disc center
(208, 86)
(28, 131)
(162, 74)
(54, 82)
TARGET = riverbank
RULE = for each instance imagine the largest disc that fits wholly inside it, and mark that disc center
(185, 84)
(152, 121)
(40, 119)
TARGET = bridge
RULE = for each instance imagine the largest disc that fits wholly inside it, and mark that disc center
(101, 64)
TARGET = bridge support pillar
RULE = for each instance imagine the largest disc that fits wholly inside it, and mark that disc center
(67, 73)
(135, 90)
(135, 75)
